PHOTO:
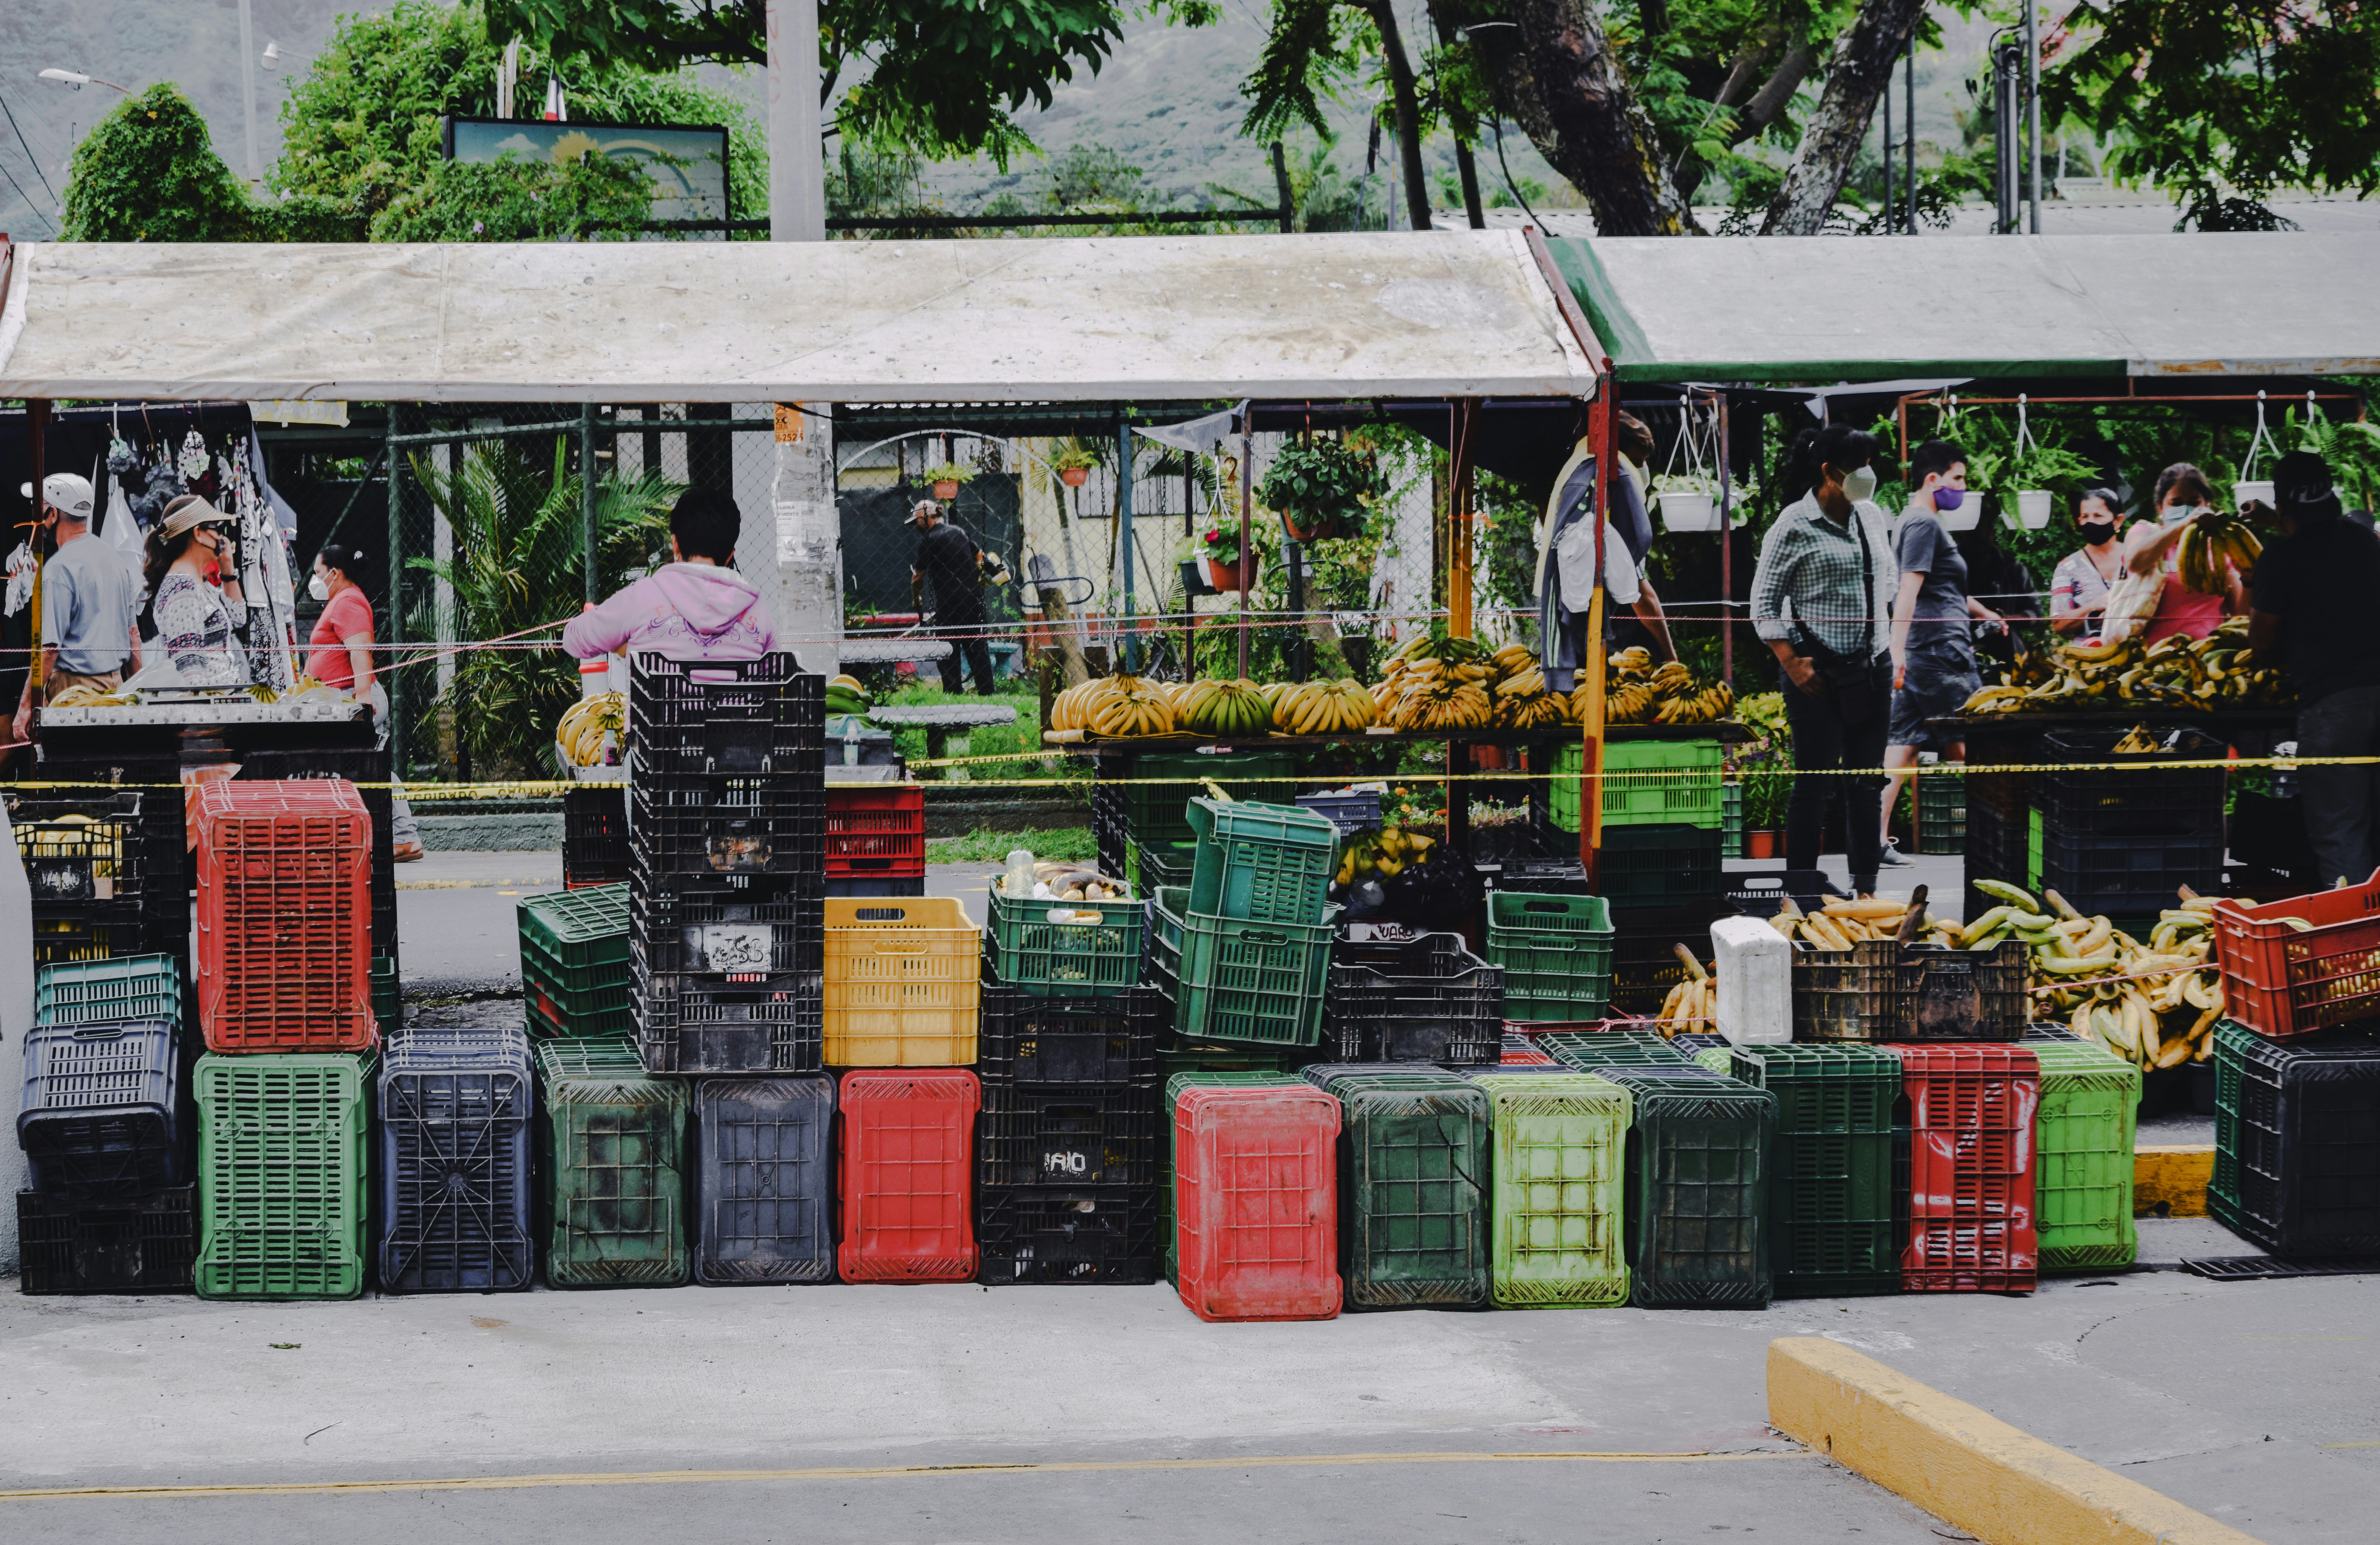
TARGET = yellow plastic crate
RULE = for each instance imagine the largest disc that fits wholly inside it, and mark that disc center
(903, 982)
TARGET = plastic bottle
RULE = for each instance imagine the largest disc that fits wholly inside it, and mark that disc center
(1018, 883)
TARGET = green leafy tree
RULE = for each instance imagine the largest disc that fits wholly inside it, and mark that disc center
(147, 172)
(585, 199)
(2225, 103)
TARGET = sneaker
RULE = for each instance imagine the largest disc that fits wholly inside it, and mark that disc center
(1893, 857)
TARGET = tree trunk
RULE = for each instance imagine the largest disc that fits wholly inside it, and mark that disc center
(1408, 110)
(1468, 168)
(1858, 70)
(1554, 74)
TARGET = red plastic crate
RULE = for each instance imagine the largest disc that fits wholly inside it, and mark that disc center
(1257, 1193)
(876, 830)
(2282, 983)
(284, 943)
(909, 1140)
(1971, 1167)
(1522, 1052)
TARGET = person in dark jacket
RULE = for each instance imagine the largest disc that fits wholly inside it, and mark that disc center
(949, 560)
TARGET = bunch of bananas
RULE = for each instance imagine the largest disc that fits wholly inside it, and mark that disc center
(1437, 683)
(2215, 538)
(61, 837)
(2154, 1005)
(845, 695)
(1112, 705)
(82, 695)
(580, 734)
(1518, 691)
(1692, 1003)
(1321, 707)
(1634, 692)
(1382, 854)
(2180, 671)
(1840, 924)
(1222, 708)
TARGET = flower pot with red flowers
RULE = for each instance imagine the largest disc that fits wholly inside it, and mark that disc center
(1323, 488)
(948, 479)
(1220, 549)
(1074, 462)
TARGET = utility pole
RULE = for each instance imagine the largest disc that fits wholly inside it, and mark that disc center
(2033, 112)
(247, 87)
(809, 526)
(796, 162)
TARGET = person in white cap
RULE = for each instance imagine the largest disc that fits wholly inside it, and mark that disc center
(89, 603)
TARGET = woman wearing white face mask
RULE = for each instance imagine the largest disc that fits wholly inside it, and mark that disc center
(194, 549)
(2182, 495)
(342, 638)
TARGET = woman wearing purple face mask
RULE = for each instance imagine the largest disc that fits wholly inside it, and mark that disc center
(1933, 652)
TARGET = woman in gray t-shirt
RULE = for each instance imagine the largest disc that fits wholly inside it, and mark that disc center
(1933, 652)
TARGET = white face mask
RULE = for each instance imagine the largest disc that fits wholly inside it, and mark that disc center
(319, 587)
(1859, 484)
(2174, 514)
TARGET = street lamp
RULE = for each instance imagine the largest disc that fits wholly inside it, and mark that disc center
(76, 79)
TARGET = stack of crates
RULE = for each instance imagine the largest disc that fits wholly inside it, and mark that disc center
(2119, 842)
(876, 840)
(370, 772)
(1413, 1169)
(1142, 814)
(727, 864)
(1663, 818)
(1939, 803)
(455, 1111)
(1255, 1196)
(573, 962)
(1067, 1146)
(610, 1169)
(107, 1130)
(284, 953)
(1243, 954)
(104, 883)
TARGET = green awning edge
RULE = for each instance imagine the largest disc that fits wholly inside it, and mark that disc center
(1832, 373)
(1595, 295)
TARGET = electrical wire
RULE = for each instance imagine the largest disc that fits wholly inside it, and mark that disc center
(30, 156)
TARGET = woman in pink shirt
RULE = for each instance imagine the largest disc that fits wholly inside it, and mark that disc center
(342, 639)
(2182, 495)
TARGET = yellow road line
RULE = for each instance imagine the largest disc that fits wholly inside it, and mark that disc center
(2360, 1443)
(896, 1472)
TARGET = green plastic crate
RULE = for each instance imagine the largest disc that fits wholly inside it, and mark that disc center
(1594, 1050)
(1730, 820)
(1413, 1156)
(1941, 813)
(578, 928)
(1556, 951)
(2083, 1158)
(612, 1168)
(1261, 863)
(104, 991)
(1831, 1209)
(1697, 1191)
(1157, 813)
(1645, 783)
(1064, 960)
(1167, 1210)
(1554, 1214)
(2231, 1040)
(574, 962)
(282, 1175)
(1164, 865)
(1240, 980)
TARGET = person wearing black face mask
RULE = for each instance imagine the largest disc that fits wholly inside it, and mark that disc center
(2078, 593)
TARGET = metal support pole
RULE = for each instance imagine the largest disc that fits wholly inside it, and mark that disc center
(1301, 647)
(1131, 640)
(1462, 444)
(1884, 150)
(1247, 507)
(397, 683)
(1909, 136)
(588, 543)
(2033, 113)
(1726, 539)
(1590, 795)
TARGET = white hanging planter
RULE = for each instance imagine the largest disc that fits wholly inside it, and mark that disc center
(2249, 491)
(1688, 493)
(1685, 512)
(1966, 517)
(2033, 508)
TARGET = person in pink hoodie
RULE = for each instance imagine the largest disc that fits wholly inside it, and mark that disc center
(694, 607)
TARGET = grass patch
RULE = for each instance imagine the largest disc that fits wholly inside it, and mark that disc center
(993, 847)
(998, 740)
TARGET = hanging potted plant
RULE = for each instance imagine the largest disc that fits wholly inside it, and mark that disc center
(1220, 549)
(948, 479)
(1074, 462)
(1321, 489)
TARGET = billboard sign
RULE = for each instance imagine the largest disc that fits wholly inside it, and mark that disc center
(688, 161)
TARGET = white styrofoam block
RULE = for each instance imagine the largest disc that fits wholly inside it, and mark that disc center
(1754, 966)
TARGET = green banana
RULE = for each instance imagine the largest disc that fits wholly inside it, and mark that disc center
(2013, 895)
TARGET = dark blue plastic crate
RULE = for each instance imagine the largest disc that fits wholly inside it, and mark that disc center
(455, 1185)
(764, 1181)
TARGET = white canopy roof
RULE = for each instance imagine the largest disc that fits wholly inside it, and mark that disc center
(1144, 318)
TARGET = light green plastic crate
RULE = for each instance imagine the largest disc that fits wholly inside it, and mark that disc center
(1659, 783)
(282, 1175)
(2083, 1158)
(1561, 1147)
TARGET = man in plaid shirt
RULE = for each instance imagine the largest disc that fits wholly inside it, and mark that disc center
(1820, 598)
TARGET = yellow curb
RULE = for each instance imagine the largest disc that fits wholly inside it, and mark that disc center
(2171, 1180)
(2002, 1485)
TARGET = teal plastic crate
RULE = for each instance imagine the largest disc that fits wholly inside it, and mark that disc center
(574, 962)
(1556, 951)
(1645, 783)
(1241, 980)
(1045, 958)
(282, 1175)
(105, 992)
(1261, 863)
(1164, 865)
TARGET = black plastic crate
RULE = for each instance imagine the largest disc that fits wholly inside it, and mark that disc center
(105, 870)
(2132, 874)
(139, 1244)
(104, 1112)
(1107, 1235)
(763, 1179)
(1541, 876)
(743, 933)
(2304, 1141)
(739, 827)
(1062, 1042)
(874, 884)
(1645, 963)
(1697, 1188)
(456, 1108)
(2142, 795)
(687, 1023)
(1351, 810)
(1111, 831)
(594, 835)
(705, 716)
(1076, 1137)
(1660, 865)
(2006, 794)
(2269, 833)
(1422, 998)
